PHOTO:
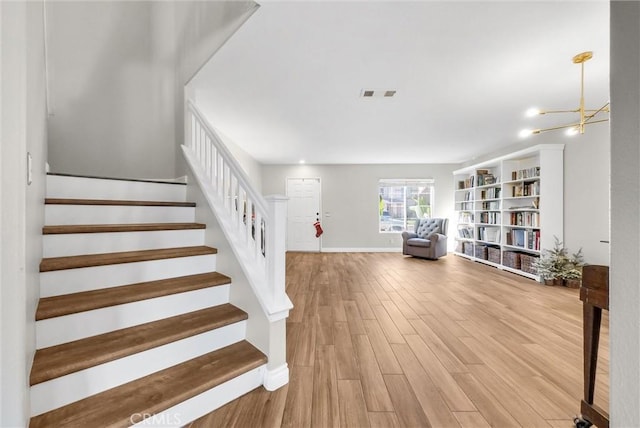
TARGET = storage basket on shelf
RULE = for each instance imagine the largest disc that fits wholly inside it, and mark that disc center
(468, 248)
(526, 263)
(511, 259)
(493, 254)
(481, 252)
(459, 247)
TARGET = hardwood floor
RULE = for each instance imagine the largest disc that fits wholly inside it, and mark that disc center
(382, 340)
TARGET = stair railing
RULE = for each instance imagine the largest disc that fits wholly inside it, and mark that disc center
(254, 225)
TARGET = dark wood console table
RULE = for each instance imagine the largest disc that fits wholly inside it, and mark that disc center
(594, 294)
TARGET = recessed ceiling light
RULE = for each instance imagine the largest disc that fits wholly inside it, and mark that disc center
(389, 93)
(367, 93)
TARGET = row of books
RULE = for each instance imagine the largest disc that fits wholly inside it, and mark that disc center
(491, 205)
(523, 238)
(525, 173)
(482, 177)
(526, 218)
(490, 193)
(526, 189)
(467, 183)
(465, 206)
(490, 217)
(489, 234)
(465, 217)
(465, 232)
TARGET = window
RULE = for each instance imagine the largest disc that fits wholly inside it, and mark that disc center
(402, 202)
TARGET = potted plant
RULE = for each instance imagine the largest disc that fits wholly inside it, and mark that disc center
(557, 267)
(573, 270)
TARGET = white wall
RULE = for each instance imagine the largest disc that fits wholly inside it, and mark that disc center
(108, 91)
(586, 188)
(22, 130)
(350, 198)
(625, 215)
(116, 76)
(201, 28)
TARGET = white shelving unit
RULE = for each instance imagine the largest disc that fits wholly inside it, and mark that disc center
(510, 207)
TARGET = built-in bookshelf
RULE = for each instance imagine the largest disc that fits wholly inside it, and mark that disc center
(510, 208)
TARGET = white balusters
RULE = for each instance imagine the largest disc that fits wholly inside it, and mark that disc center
(255, 226)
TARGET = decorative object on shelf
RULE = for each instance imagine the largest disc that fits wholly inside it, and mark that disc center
(557, 267)
(587, 116)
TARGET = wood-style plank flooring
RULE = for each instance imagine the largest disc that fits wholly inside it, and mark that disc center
(382, 340)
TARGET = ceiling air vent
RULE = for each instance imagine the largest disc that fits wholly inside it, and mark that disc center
(377, 93)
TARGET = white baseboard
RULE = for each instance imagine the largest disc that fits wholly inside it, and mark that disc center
(276, 378)
(362, 250)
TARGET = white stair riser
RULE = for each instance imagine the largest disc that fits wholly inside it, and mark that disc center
(61, 391)
(96, 243)
(54, 331)
(115, 214)
(92, 278)
(92, 188)
(196, 407)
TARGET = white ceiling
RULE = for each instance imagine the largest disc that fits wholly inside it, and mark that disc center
(287, 85)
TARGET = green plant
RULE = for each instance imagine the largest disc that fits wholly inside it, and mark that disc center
(557, 263)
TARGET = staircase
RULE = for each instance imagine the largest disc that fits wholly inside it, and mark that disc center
(134, 324)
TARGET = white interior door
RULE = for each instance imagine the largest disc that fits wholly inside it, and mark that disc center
(302, 212)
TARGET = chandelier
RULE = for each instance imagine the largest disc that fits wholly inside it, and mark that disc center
(587, 116)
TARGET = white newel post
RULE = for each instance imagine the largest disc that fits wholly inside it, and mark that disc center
(277, 374)
(276, 248)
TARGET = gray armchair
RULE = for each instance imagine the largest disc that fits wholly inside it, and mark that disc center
(429, 239)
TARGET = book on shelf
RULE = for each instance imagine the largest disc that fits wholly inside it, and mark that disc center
(523, 174)
(465, 217)
(486, 177)
(465, 232)
(490, 217)
(489, 234)
(526, 189)
(490, 193)
(529, 239)
(525, 218)
(491, 205)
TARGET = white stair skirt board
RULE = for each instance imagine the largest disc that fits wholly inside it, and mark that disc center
(92, 278)
(196, 407)
(111, 242)
(95, 188)
(64, 390)
(276, 378)
(114, 214)
(54, 331)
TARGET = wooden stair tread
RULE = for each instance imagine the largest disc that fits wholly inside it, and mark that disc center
(90, 260)
(64, 201)
(156, 392)
(131, 227)
(70, 357)
(56, 306)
